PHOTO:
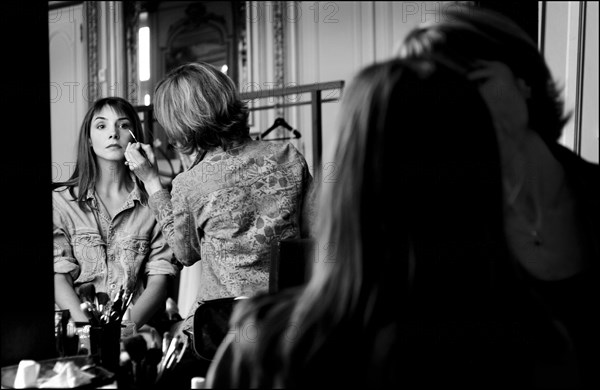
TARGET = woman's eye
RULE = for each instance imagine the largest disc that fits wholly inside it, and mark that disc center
(100, 126)
(125, 126)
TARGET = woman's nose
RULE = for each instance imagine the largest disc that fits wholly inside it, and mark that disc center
(114, 132)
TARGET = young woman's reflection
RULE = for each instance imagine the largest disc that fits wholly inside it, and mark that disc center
(104, 232)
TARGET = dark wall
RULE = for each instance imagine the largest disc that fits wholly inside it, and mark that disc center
(26, 255)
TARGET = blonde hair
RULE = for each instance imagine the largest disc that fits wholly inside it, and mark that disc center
(199, 108)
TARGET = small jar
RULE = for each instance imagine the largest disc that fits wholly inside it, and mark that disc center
(82, 329)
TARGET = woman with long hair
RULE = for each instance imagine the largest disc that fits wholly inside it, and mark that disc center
(104, 232)
(550, 194)
(411, 281)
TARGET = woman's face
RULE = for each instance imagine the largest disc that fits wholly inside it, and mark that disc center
(109, 134)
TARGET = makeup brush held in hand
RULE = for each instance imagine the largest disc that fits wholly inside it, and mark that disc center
(141, 150)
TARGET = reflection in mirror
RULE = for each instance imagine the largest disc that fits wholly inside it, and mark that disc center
(100, 49)
(164, 35)
(199, 37)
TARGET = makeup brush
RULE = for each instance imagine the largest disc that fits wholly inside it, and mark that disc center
(166, 341)
(103, 299)
(182, 351)
(177, 354)
(118, 301)
(124, 372)
(141, 150)
(128, 300)
(136, 348)
(90, 313)
(168, 356)
(150, 364)
(153, 356)
(116, 313)
(87, 293)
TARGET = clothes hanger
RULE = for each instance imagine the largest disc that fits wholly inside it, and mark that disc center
(280, 122)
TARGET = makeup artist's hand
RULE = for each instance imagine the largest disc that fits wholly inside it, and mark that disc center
(145, 168)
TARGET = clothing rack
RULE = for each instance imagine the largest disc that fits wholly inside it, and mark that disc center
(315, 101)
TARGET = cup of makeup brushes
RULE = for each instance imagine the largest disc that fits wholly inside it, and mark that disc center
(105, 344)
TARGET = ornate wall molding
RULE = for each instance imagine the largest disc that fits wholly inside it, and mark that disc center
(132, 22)
(279, 52)
(91, 13)
(196, 28)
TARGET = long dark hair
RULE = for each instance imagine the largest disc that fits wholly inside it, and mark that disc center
(416, 145)
(86, 171)
(410, 230)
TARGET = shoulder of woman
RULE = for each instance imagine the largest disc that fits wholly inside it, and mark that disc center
(569, 158)
(576, 166)
(285, 154)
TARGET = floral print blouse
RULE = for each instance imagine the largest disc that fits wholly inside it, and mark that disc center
(230, 209)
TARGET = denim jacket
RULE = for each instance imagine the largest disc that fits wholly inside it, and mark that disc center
(109, 253)
(230, 209)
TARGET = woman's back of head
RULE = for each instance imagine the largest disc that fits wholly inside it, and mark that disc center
(410, 242)
(411, 283)
(200, 108)
(414, 227)
(425, 175)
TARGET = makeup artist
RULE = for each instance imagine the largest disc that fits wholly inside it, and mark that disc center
(239, 197)
(104, 232)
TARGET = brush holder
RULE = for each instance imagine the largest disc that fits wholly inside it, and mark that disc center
(105, 345)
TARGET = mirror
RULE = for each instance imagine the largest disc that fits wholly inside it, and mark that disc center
(100, 49)
(178, 33)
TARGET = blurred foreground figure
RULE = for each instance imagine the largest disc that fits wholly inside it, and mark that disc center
(550, 195)
(413, 283)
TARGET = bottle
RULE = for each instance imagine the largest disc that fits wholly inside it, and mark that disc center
(197, 382)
